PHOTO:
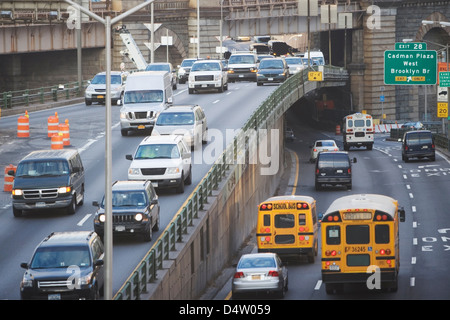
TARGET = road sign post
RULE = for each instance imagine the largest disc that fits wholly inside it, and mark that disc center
(410, 67)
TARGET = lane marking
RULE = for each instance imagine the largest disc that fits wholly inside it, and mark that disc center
(318, 284)
(82, 221)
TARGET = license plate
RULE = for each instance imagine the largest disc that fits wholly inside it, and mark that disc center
(334, 268)
(256, 277)
(339, 171)
(54, 296)
(141, 127)
(270, 79)
(241, 76)
(204, 85)
(40, 204)
(155, 184)
(120, 228)
(424, 147)
(100, 97)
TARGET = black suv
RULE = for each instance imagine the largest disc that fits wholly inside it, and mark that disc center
(418, 144)
(135, 208)
(65, 265)
(333, 168)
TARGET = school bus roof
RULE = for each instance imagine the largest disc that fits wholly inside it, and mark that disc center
(291, 198)
(364, 201)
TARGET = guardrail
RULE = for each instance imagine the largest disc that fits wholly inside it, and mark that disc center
(145, 272)
(26, 97)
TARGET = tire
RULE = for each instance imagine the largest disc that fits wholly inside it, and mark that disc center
(180, 188)
(157, 225)
(148, 234)
(72, 206)
(124, 132)
(191, 91)
(17, 212)
(88, 102)
(188, 180)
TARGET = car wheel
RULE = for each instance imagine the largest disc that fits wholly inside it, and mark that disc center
(189, 177)
(157, 224)
(88, 102)
(72, 206)
(124, 132)
(191, 91)
(148, 234)
(180, 188)
(17, 212)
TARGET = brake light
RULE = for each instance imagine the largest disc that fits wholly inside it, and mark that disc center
(330, 253)
(302, 205)
(315, 150)
(273, 273)
(239, 275)
(349, 170)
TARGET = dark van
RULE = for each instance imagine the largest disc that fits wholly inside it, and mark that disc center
(418, 144)
(48, 179)
(333, 168)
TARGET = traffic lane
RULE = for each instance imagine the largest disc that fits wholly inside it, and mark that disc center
(88, 134)
(428, 185)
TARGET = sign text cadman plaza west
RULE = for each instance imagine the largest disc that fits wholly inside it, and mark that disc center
(410, 67)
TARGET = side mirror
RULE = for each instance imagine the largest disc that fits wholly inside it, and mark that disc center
(354, 160)
(320, 217)
(129, 157)
(98, 262)
(11, 173)
(95, 204)
(24, 265)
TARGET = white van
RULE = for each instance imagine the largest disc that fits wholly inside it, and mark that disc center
(146, 94)
(317, 57)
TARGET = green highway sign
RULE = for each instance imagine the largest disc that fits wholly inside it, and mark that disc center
(410, 46)
(410, 67)
(444, 79)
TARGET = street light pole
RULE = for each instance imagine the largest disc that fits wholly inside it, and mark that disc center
(108, 22)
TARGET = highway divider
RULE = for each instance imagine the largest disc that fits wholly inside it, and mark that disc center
(220, 213)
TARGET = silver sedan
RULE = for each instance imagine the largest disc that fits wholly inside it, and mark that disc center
(260, 272)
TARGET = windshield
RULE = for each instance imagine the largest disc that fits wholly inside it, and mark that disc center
(157, 151)
(101, 79)
(187, 63)
(241, 59)
(333, 160)
(293, 60)
(127, 198)
(174, 119)
(205, 66)
(158, 67)
(42, 168)
(143, 96)
(271, 64)
(61, 257)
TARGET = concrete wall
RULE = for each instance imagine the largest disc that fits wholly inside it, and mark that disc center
(228, 219)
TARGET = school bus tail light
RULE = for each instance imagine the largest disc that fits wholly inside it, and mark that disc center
(302, 206)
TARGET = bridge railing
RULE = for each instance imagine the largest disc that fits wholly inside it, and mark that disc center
(146, 271)
(42, 95)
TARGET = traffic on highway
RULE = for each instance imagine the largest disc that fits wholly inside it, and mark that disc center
(317, 246)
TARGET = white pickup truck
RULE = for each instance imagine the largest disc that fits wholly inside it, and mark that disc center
(208, 74)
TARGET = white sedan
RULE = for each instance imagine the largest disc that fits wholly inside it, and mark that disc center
(322, 145)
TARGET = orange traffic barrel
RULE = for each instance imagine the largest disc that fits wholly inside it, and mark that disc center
(338, 130)
(9, 179)
(63, 129)
(57, 141)
(23, 126)
(52, 124)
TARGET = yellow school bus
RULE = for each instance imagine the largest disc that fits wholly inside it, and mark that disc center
(360, 242)
(287, 225)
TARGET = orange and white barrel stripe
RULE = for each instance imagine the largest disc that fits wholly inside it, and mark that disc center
(9, 179)
(57, 141)
(64, 130)
(52, 125)
(23, 126)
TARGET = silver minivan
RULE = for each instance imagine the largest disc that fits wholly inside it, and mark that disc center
(147, 93)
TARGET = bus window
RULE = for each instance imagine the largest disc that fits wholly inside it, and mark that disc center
(301, 219)
(266, 220)
(333, 235)
(381, 234)
(357, 234)
(284, 221)
(358, 260)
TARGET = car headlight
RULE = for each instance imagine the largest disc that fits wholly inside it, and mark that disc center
(181, 71)
(134, 171)
(230, 70)
(84, 280)
(101, 218)
(173, 170)
(139, 217)
(64, 189)
(26, 282)
(17, 192)
(123, 115)
(217, 77)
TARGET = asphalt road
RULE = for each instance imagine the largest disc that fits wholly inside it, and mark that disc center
(422, 188)
(19, 236)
